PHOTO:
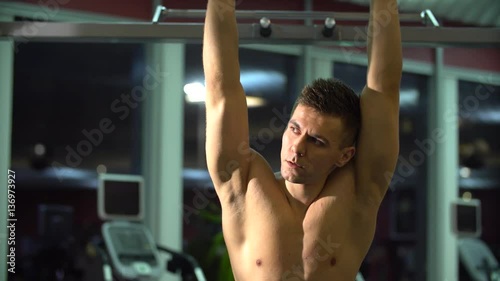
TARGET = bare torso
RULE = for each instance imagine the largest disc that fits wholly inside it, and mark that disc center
(270, 240)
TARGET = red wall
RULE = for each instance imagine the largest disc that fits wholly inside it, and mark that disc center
(134, 9)
(481, 58)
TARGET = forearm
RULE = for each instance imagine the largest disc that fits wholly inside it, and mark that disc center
(384, 47)
(220, 46)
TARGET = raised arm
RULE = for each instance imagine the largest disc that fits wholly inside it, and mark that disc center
(227, 147)
(378, 145)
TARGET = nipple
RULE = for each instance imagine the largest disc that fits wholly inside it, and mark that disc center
(258, 262)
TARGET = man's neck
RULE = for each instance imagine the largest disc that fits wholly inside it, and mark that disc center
(301, 196)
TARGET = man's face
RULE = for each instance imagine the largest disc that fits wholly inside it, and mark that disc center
(311, 146)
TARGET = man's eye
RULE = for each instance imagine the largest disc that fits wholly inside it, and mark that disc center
(318, 142)
(293, 129)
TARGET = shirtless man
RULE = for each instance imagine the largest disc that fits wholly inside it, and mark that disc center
(316, 221)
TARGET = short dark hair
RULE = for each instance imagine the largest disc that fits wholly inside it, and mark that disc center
(333, 97)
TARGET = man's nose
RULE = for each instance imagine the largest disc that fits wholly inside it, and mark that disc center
(299, 146)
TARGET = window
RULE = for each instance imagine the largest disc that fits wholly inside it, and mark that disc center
(479, 121)
(75, 101)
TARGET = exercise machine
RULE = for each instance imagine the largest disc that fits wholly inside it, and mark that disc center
(478, 260)
(476, 257)
(130, 252)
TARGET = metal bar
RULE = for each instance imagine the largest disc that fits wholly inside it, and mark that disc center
(249, 33)
(442, 185)
(286, 15)
(429, 19)
(308, 7)
(158, 13)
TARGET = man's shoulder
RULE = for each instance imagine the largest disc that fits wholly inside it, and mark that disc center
(261, 172)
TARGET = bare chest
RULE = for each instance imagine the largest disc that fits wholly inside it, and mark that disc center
(305, 246)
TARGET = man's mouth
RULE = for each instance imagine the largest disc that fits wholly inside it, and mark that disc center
(294, 165)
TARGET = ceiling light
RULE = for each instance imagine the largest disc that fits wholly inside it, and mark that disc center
(255, 101)
(195, 92)
(39, 149)
(101, 169)
(467, 196)
(465, 172)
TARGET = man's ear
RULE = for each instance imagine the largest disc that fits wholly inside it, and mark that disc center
(347, 155)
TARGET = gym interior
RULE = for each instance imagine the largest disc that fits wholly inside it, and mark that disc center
(80, 116)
